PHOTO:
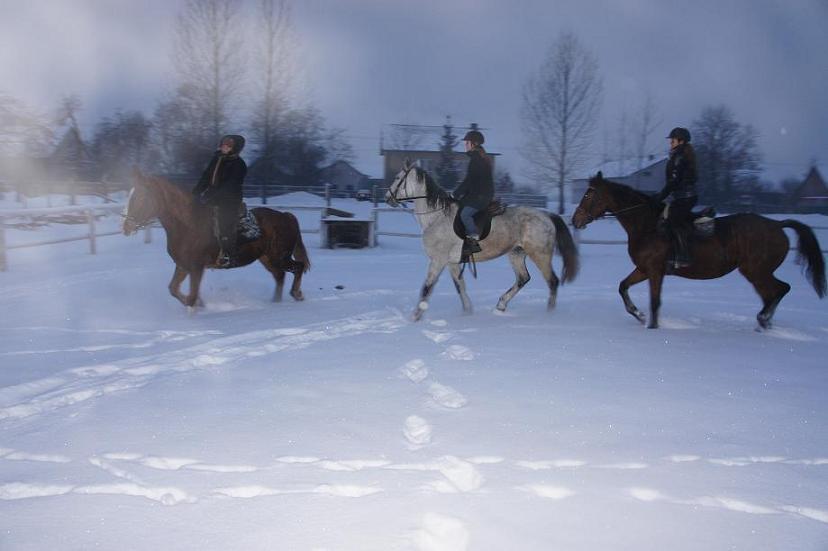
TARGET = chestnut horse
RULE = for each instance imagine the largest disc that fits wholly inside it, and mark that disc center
(754, 244)
(192, 244)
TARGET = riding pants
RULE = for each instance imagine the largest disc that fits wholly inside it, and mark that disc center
(680, 226)
(227, 219)
(467, 217)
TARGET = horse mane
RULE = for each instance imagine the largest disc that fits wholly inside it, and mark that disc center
(436, 197)
(176, 199)
(625, 193)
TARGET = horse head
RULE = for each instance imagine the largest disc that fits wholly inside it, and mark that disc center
(400, 188)
(142, 207)
(594, 203)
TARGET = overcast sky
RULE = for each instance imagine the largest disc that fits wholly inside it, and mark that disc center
(369, 63)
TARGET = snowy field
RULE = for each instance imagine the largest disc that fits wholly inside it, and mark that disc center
(127, 422)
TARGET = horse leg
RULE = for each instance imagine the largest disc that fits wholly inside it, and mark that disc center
(636, 276)
(278, 276)
(434, 271)
(192, 298)
(655, 298)
(295, 290)
(544, 263)
(517, 258)
(175, 283)
(460, 285)
(771, 290)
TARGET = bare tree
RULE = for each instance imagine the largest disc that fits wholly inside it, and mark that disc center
(208, 58)
(274, 59)
(622, 143)
(647, 122)
(728, 155)
(560, 107)
(407, 136)
(23, 132)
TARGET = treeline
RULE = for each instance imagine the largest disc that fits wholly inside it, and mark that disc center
(231, 76)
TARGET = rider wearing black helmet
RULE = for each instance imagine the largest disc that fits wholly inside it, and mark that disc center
(680, 192)
(476, 190)
(220, 187)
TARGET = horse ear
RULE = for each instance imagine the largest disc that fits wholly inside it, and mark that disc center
(406, 163)
(600, 175)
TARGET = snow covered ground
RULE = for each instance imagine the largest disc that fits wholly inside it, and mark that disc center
(338, 424)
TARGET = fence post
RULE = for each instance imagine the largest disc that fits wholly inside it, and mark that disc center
(90, 217)
(328, 195)
(375, 215)
(3, 264)
(264, 192)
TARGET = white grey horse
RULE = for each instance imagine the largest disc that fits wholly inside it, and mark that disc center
(519, 232)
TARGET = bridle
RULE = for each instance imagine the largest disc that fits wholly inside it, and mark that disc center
(400, 200)
(591, 218)
(138, 225)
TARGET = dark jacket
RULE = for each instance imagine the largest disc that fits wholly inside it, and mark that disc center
(477, 188)
(221, 183)
(680, 174)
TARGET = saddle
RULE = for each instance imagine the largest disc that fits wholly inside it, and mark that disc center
(483, 220)
(247, 230)
(703, 220)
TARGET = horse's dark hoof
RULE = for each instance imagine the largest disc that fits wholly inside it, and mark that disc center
(652, 326)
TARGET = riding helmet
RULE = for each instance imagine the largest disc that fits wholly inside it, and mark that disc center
(680, 133)
(474, 136)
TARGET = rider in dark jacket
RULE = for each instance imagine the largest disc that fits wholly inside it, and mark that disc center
(220, 186)
(476, 190)
(680, 191)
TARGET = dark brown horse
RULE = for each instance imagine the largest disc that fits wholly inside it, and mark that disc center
(193, 246)
(754, 244)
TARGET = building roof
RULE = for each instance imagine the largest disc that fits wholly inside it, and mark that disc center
(624, 168)
(429, 151)
(813, 187)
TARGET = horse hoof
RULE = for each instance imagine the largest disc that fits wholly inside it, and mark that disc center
(652, 326)
(298, 297)
(501, 306)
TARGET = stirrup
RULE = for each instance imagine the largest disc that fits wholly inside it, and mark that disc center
(223, 260)
(471, 245)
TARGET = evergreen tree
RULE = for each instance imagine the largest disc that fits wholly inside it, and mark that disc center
(446, 171)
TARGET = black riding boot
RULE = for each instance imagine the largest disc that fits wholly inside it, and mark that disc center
(227, 252)
(471, 245)
(681, 249)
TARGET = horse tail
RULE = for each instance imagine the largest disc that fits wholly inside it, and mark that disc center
(809, 254)
(299, 251)
(566, 248)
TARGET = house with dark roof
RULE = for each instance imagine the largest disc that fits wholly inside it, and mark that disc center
(812, 195)
(343, 178)
(649, 179)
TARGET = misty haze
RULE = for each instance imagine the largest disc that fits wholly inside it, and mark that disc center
(441, 275)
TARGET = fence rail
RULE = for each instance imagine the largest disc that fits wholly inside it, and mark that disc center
(91, 211)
